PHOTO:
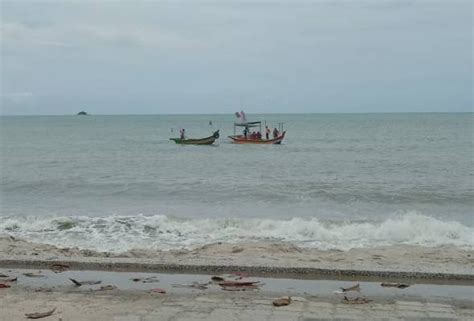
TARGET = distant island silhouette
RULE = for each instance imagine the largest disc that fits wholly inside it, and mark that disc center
(82, 113)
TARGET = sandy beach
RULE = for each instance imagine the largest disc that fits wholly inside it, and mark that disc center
(134, 296)
(440, 283)
(441, 263)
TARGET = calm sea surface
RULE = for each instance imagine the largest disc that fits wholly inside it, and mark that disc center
(337, 181)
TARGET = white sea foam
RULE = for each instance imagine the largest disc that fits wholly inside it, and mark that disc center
(121, 233)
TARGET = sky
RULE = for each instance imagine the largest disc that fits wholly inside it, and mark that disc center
(192, 57)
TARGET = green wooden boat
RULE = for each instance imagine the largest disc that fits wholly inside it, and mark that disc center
(197, 141)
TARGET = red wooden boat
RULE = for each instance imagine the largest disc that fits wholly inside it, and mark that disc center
(242, 139)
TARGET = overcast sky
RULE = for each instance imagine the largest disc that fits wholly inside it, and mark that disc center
(135, 57)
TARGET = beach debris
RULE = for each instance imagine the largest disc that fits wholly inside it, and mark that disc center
(89, 282)
(194, 285)
(41, 289)
(150, 279)
(3, 275)
(240, 285)
(4, 286)
(240, 288)
(356, 300)
(59, 267)
(158, 290)
(352, 288)
(33, 275)
(218, 278)
(394, 285)
(237, 249)
(282, 301)
(39, 315)
(106, 288)
(9, 279)
(235, 276)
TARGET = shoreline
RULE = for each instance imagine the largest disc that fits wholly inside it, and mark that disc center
(114, 296)
(314, 273)
(440, 265)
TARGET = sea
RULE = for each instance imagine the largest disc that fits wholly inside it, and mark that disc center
(338, 181)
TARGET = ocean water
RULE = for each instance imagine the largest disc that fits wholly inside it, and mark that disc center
(337, 181)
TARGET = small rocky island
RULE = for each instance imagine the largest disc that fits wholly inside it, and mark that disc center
(82, 113)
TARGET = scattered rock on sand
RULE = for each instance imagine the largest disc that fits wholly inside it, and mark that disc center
(237, 249)
(282, 301)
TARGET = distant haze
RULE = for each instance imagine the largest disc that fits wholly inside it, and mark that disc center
(136, 57)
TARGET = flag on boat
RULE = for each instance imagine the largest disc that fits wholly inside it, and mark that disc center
(241, 116)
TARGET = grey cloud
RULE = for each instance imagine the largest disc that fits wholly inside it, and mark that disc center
(305, 56)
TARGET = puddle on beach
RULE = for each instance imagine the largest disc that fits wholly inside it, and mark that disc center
(294, 287)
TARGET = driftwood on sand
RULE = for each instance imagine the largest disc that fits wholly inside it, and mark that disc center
(39, 315)
(194, 285)
(33, 275)
(10, 279)
(352, 288)
(239, 285)
(150, 279)
(394, 285)
(89, 282)
(240, 288)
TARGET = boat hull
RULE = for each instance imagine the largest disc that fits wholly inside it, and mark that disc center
(199, 141)
(240, 139)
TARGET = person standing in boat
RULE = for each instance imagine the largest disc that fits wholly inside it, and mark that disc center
(275, 133)
(267, 132)
(182, 132)
(246, 131)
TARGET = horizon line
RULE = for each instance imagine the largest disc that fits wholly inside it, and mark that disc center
(256, 113)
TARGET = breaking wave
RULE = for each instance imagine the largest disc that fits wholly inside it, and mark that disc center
(122, 233)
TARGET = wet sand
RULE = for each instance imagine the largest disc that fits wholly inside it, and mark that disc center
(328, 289)
(442, 264)
(311, 299)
